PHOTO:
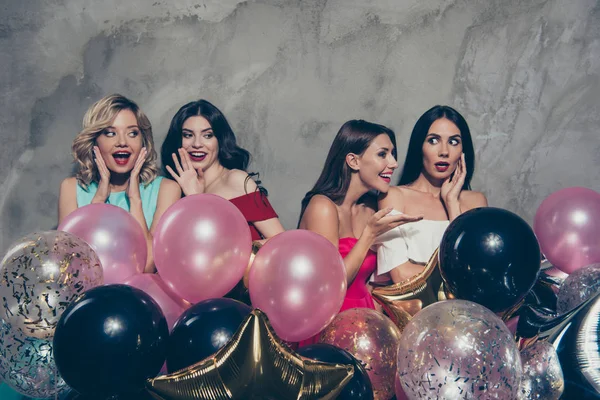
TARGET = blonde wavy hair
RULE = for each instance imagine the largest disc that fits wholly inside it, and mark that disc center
(99, 117)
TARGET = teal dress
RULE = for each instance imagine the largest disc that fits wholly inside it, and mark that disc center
(6, 393)
(148, 194)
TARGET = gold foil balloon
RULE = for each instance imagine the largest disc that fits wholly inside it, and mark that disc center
(40, 275)
(254, 364)
(256, 245)
(412, 294)
(397, 310)
(372, 338)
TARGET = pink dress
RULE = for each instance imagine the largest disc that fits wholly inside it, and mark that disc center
(357, 295)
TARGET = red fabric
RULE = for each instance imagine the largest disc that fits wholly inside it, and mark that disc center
(256, 207)
(357, 295)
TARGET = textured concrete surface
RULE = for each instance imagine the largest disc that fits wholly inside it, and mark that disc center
(287, 74)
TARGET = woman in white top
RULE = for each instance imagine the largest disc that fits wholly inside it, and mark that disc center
(435, 183)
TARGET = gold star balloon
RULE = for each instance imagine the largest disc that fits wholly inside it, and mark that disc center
(404, 299)
(255, 363)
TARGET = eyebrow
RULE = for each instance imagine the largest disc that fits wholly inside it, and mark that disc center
(202, 131)
(129, 127)
(438, 135)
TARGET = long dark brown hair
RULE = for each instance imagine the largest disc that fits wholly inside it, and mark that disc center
(353, 137)
(231, 155)
(413, 165)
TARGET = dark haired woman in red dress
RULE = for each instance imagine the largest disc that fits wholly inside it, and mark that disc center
(200, 152)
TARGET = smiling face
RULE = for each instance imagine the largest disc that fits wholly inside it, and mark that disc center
(377, 163)
(442, 149)
(199, 141)
(120, 143)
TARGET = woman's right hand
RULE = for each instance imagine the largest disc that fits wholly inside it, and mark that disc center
(104, 185)
(190, 180)
(381, 222)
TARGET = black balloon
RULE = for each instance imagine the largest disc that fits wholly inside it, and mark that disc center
(202, 330)
(489, 256)
(542, 295)
(143, 395)
(539, 322)
(110, 341)
(359, 386)
(240, 293)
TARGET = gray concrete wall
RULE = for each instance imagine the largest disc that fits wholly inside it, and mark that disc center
(287, 74)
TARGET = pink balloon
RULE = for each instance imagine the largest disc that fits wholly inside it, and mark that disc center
(171, 306)
(298, 279)
(116, 237)
(202, 246)
(566, 225)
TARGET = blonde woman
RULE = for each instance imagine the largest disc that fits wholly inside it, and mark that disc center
(116, 164)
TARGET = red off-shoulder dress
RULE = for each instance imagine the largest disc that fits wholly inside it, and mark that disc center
(256, 207)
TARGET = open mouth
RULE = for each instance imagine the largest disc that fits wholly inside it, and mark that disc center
(197, 155)
(121, 157)
(386, 176)
(442, 166)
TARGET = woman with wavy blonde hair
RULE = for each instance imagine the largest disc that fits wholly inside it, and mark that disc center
(116, 164)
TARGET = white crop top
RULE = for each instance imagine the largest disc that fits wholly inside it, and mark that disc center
(416, 241)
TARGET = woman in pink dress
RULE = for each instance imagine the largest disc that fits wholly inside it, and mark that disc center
(342, 204)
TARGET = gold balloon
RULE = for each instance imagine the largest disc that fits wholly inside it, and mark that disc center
(412, 294)
(256, 245)
(398, 311)
(255, 363)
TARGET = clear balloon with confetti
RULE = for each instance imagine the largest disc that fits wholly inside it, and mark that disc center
(40, 275)
(581, 285)
(543, 378)
(458, 349)
(27, 364)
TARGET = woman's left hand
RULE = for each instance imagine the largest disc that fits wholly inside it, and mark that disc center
(452, 186)
(133, 190)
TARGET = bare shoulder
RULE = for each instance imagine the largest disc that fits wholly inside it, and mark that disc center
(395, 198)
(67, 198)
(470, 199)
(169, 186)
(68, 185)
(321, 216)
(240, 182)
(321, 206)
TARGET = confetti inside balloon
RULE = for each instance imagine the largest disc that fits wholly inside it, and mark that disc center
(578, 287)
(27, 364)
(372, 338)
(542, 375)
(457, 349)
(40, 275)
